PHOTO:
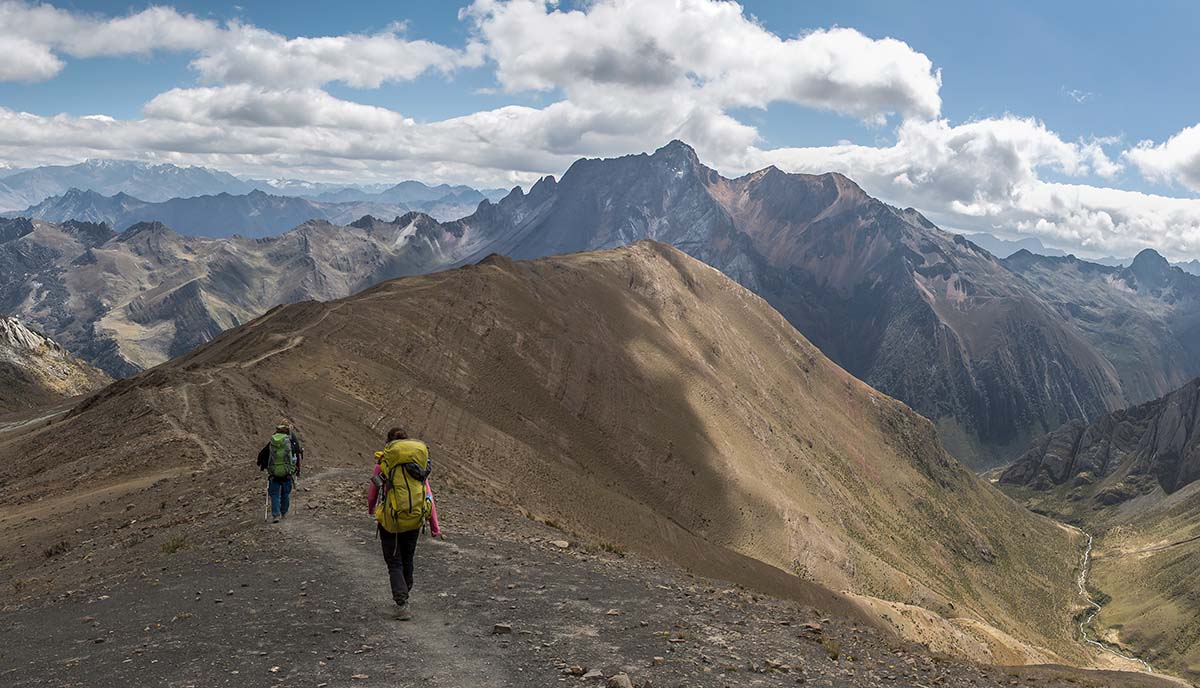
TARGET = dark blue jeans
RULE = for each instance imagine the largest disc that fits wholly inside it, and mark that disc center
(280, 490)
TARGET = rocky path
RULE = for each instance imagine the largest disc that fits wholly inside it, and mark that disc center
(503, 602)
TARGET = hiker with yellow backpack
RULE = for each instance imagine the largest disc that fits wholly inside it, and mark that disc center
(397, 500)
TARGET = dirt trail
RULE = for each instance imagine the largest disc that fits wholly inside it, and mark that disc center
(445, 661)
(1153, 548)
(212, 614)
(17, 425)
(362, 570)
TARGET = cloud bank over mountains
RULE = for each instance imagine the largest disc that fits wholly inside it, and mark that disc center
(615, 77)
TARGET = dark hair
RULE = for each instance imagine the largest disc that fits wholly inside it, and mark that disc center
(397, 434)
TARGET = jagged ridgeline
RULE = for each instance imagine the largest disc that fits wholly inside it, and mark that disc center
(635, 395)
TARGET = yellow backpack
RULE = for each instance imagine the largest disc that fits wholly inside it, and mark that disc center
(404, 466)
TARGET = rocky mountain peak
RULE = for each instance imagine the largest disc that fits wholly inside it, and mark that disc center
(544, 187)
(77, 194)
(145, 229)
(677, 150)
(1150, 269)
(90, 233)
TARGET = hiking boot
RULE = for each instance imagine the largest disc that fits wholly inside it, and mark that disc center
(402, 613)
(274, 519)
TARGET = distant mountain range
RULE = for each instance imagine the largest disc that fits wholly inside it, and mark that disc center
(25, 189)
(996, 352)
(153, 183)
(253, 214)
(132, 300)
(1003, 248)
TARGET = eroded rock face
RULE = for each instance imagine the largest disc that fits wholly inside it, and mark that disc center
(35, 371)
(1122, 454)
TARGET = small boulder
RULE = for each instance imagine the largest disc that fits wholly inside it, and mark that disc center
(619, 681)
(561, 544)
(501, 629)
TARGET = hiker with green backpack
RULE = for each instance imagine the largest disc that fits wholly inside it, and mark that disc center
(397, 500)
(280, 458)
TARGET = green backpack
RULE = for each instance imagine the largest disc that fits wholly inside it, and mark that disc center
(281, 463)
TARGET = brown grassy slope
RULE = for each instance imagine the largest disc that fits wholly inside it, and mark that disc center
(634, 394)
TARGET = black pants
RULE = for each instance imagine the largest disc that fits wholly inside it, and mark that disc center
(398, 552)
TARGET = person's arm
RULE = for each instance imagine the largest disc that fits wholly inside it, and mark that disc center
(264, 456)
(372, 492)
(435, 528)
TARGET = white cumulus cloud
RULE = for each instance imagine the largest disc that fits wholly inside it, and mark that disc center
(33, 36)
(710, 50)
(247, 54)
(1176, 160)
(25, 60)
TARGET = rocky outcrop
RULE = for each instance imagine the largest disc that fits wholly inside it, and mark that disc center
(35, 371)
(1133, 451)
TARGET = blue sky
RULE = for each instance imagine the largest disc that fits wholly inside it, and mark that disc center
(1128, 61)
(1017, 118)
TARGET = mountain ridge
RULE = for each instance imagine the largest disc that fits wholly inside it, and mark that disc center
(254, 214)
(995, 352)
(633, 394)
(821, 251)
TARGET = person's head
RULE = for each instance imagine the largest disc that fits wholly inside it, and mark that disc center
(396, 433)
(283, 427)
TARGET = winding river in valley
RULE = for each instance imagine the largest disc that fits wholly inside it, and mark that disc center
(1095, 606)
